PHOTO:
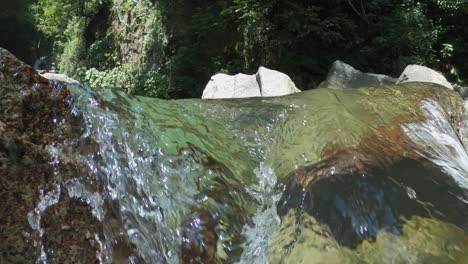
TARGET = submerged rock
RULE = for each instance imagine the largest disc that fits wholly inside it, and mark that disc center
(423, 240)
(418, 73)
(264, 83)
(353, 129)
(343, 76)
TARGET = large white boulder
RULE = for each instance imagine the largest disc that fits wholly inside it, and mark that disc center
(275, 83)
(418, 73)
(231, 86)
(344, 76)
(265, 82)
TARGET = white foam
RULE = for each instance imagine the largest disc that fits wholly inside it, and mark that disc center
(266, 220)
(441, 144)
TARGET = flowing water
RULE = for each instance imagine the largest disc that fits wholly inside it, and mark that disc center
(204, 181)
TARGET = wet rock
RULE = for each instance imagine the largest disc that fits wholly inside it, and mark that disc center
(352, 130)
(361, 176)
(343, 76)
(76, 242)
(418, 73)
(29, 110)
(356, 207)
(35, 204)
(423, 240)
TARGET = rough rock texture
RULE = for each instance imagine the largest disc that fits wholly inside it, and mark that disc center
(36, 209)
(59, 77)
(342, 75)
(418, 73)
(30, 108)
(265, 83)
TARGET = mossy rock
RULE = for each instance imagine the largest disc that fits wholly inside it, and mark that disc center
(423, 240)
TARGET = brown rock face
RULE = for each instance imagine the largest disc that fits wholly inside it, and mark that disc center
(31, 108)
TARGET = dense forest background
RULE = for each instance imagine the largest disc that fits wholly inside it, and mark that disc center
(170, 48)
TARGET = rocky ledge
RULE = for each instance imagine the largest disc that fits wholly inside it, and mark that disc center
(40, 221)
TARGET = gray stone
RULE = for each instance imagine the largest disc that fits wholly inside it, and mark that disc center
(41, 64)
(2, 127)
(418, 73)
(463, 91)
(344, 76)
(265, 83)
(59, 77)
(275, 83)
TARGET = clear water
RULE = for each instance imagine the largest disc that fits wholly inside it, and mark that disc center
(440, 143)
(210, 181)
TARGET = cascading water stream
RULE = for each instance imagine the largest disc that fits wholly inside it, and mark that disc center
(47, 199)
(198, 181)
(440, 143)
(154, 174)
(266, 219)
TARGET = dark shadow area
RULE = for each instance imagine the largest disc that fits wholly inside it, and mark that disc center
(356, 207)
(20, 37)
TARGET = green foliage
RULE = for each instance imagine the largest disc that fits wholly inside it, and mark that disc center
(50, 16)
(302, 38)
(53, 15)
(120, 76)
(65, 23)
(170, 48)
(73, 49)
(452, 5)
(15, 8)
(153, 83)
(133, 80)
(100, 54)
(405, 37)
(254, 29)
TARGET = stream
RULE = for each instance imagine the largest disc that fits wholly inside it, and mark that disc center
(324, 176)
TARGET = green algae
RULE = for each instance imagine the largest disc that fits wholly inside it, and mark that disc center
(423, 240)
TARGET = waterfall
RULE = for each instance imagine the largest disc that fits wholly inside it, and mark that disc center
(369, 175)
(440, 142)
(190, 180)
(152, 167)
(265, 221)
